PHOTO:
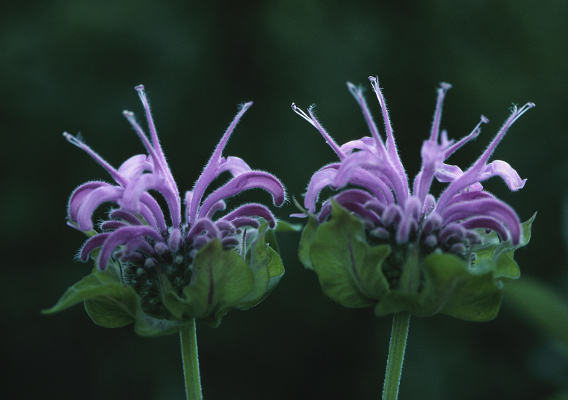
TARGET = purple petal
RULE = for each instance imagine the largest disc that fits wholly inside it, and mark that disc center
(474, 174)
(486, 208)
(139, 245)
(391, 146)
(91, 244)
(135, 166)
(365, 143)
(203, 225)
(505, 171)
(145, 182)
(352, 165)
(210, 172)
(92, 201)
(486, 223)
(246, 181)
(235, 165)
(239, 222)
(220, 205)
(79, 195)
(251, 210)
(123, 236)
(125, 216)
(113, 172)
(152, 212)
(319, 180)
(112, 225)
(315, 123)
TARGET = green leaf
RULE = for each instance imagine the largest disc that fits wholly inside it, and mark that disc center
(112, 305)
(306, 239)
(348, 268)
(98, 283)
(449, 287)
(285, 226)
(266, 267)
(220, 279)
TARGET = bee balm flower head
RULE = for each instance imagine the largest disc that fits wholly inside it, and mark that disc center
(412, 240)
(175, 266)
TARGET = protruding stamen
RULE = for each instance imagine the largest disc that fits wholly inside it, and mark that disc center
(113, 172)
(466, 139)
(444, 87)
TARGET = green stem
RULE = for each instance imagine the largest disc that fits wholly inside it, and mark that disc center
(396, 355)
(190, 362)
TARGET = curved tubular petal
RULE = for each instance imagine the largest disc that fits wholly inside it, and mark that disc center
(469, 196)
(354, 196)
(135, 166)
(319, 180)
(486, 223)
(152, 212)
(210, 171)
(374, 184)
(91, 244)
(93, 200)
(133, 193)
(366, 143)
(203, 224)
(352, 206)
(506, 172)
(220, 205)
(139, 245)
(246, 181)
(251, 210)
(432, 158)
(239, 222)
(125, 216)
(79, 195)
(225, 227)
(123, 236)
(485, 208)
(448, 173)
(112, 225)
(235, 165)
(363, 160)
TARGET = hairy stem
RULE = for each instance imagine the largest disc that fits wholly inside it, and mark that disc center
(190, 362)
(397, 347)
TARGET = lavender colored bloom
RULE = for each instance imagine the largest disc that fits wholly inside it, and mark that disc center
(391, 210)
(140, 240)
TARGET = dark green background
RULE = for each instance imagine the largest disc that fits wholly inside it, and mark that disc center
(71, 65)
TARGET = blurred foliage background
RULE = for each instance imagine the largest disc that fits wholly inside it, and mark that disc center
(71, 65)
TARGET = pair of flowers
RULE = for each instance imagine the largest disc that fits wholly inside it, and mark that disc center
(375, 243)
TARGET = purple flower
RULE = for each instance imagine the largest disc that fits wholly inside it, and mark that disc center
(137, 233)
(391, 210)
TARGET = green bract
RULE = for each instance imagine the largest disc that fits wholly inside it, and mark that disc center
(357, 272)
(220, 280)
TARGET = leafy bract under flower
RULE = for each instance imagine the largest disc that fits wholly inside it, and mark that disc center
(160, 272)
(401, 249)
